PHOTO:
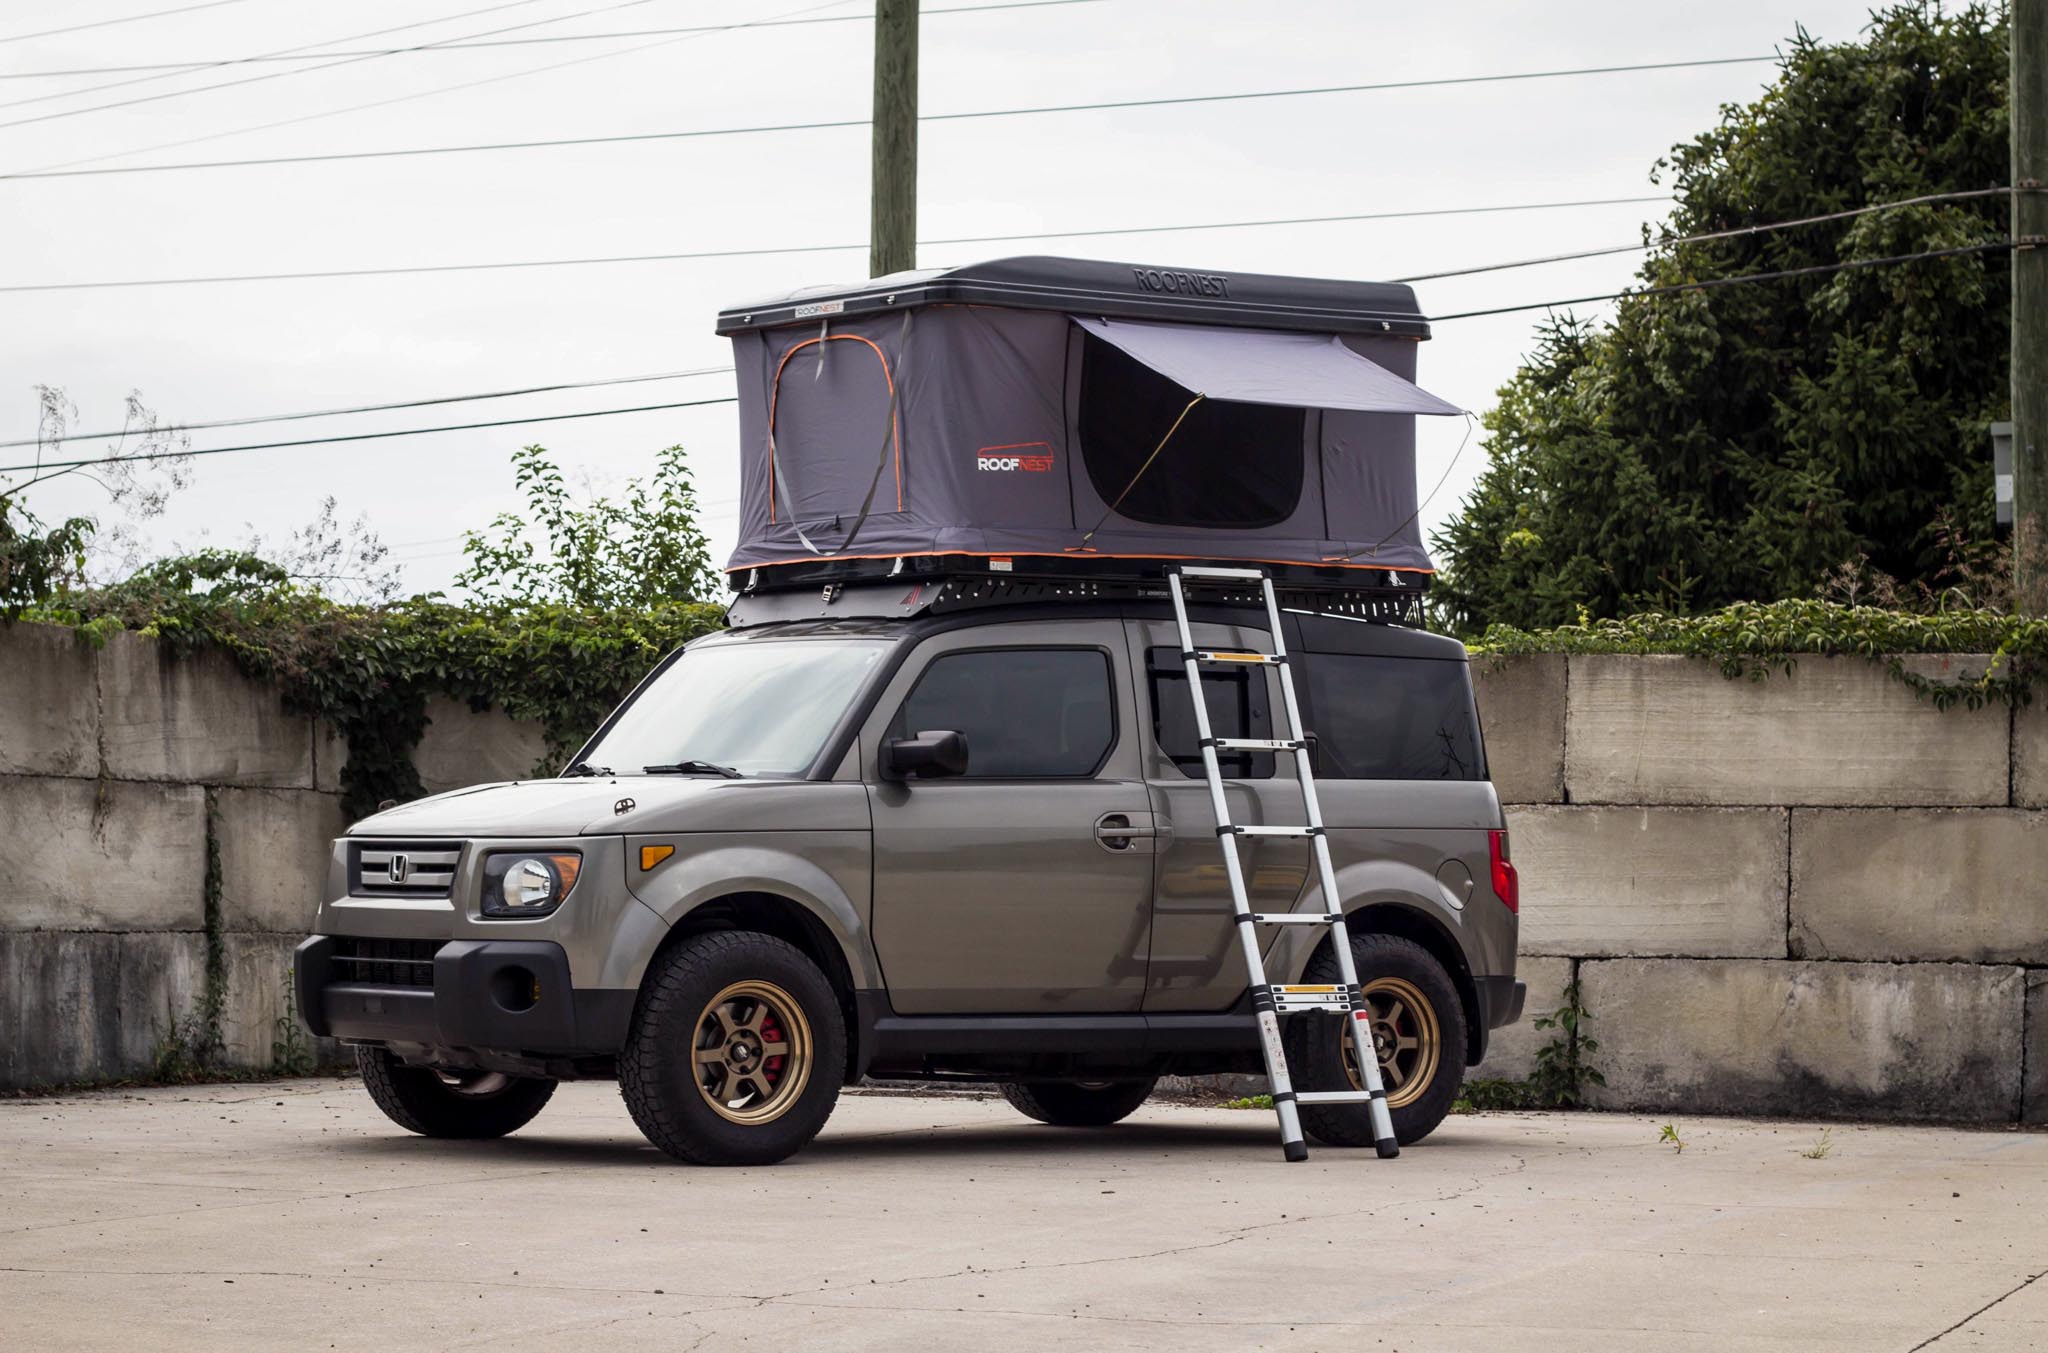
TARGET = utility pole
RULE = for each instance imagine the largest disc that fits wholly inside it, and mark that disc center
(2029, 100)
(892, 229)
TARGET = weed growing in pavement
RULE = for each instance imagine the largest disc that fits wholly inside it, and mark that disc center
(1821, 1146)
(1250, 1102)
(1669, 1137)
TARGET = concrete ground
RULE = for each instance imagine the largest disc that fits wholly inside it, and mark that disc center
(292, 1216)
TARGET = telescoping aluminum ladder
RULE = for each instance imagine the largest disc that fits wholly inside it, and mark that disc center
(1269, 1000)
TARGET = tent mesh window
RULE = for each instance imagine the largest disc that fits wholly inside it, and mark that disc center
(1230, 466)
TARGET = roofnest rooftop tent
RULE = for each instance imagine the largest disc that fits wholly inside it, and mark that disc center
(1076, 418)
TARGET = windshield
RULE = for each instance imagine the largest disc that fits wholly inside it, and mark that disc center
(762, 707)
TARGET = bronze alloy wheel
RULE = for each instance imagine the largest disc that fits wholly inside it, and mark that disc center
(752, 1054)
(1405, 1034)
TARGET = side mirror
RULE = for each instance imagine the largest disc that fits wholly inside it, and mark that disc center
(927, 756)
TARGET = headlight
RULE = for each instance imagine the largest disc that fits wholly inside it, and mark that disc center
(528, 885)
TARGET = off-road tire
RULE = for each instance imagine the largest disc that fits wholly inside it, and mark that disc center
(418, 1100)
(1315, 1048)
(1064, 1104)
(657, 1074)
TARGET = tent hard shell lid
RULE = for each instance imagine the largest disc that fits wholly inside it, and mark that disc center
(1079, 418)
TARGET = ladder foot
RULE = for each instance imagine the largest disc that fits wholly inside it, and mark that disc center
(1296, 1151)
(1388, 1148)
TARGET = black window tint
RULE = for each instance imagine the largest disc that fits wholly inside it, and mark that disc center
(1027, 713)
(1227, 465)
(1238, 708)
(1392, 718)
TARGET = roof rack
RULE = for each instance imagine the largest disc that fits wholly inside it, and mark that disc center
(934, 584)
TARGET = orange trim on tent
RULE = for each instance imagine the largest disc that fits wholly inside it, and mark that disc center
(1065, 554)
(895, 415)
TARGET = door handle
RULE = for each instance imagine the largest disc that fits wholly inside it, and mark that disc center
(1116, 832)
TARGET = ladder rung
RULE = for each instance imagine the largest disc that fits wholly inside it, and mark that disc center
(1233, 574)
(1236, 830)
(1333, 1096)
(1221, 655)
(1260, 744)
(1287, 1000)
(1293, 917)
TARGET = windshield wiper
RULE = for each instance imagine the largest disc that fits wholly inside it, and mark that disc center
(585, 768)
(693, 768)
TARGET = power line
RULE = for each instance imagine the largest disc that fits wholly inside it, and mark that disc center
(109, 23)
(1736, 232)
(379, 408)
(462, 46)
(1107, 105)
(305, 51)
(428, 93)
(823, 248)
(283, 74)
(1713, 283)
(1850, 265)
(357, 437)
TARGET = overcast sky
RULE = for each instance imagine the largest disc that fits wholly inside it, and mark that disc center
(231, 350)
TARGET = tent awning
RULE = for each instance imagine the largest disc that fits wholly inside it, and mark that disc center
(1257, 366)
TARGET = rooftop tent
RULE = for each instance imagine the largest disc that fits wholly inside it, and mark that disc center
(1041, 409)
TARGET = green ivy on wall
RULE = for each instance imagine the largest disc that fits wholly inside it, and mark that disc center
(367, 672)
(1752, 639)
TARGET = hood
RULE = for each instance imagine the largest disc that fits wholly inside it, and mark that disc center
(588, 806)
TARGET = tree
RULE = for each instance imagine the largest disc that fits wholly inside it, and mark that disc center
(144, 464)
(1740, 443)
(604, 555)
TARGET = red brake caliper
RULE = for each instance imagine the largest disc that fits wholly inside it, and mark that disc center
(771, 1032)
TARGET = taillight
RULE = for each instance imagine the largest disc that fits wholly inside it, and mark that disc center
(1507, 885)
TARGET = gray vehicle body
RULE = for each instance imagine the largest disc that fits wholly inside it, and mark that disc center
(974, 927)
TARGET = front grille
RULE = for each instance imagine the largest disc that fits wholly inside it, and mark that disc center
(387, 963)
(423, 869)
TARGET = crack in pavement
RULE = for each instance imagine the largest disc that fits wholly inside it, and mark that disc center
(2014, 1291)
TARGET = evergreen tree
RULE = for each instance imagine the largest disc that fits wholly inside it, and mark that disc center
(1738, 443)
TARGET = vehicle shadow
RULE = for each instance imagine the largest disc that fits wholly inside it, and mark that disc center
(537, 1147)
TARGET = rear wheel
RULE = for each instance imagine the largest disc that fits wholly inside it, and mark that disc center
(1078, 1103)
(433, 1103)
(1418, 1037)
(736, 1051)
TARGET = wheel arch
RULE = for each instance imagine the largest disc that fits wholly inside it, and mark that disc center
(788, 920)
(1420, 927)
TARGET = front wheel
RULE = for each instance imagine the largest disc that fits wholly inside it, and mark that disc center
(461, 1104)
(1078, 1103)
(736, 1052)
(1418, 1036)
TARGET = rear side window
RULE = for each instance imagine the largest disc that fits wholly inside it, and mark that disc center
(1238, 708)
(1027, 713)
(1378, 718)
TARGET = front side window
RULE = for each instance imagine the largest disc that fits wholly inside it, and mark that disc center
(1380, 718)
(1027, 713)
(1228, 466)
(1238, 708)
(762, 707)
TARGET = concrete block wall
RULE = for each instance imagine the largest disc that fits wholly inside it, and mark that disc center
(164, 832)
(1810, 894)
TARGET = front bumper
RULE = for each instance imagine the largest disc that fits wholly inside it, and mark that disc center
(511, 997)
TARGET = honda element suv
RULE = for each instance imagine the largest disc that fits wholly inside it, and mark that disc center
(938, 832)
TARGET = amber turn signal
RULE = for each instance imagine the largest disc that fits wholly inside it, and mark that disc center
(651, 856)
